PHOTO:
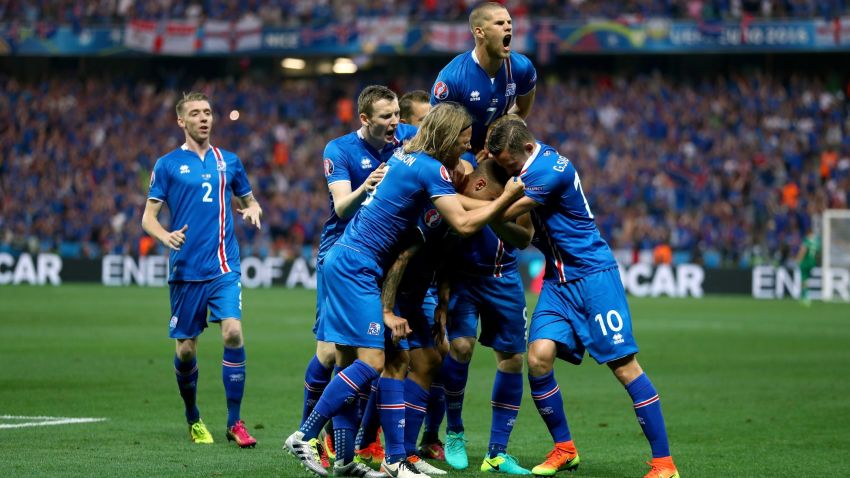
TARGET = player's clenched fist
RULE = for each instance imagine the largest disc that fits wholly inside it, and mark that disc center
(176, 239)
(515, 187)
(398, 326)
(375, 177)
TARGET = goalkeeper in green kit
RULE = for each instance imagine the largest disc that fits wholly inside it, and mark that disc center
(807, 259)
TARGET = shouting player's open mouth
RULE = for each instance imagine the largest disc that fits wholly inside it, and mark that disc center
(506, 42)
(390, 134)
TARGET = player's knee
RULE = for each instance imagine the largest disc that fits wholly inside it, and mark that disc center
(461, 349)
(538, 365)
(510, 363)
(232, 337)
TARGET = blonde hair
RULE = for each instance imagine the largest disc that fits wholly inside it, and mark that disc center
(191, 96)
(481, 13)
(438, 133)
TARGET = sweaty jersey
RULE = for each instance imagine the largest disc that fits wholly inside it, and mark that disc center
(198, 193)
(410, 182)
(350, 158)
(564, 225)
(464, 81)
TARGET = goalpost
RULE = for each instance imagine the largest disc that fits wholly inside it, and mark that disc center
(835, 260)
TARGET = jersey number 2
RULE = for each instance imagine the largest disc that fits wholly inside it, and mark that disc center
(208, 189)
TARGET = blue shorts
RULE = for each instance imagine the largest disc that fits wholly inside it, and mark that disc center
(190, 301)
(352, 313)
(419, 313)
(500, 302)
(588, 313)
(320, 300)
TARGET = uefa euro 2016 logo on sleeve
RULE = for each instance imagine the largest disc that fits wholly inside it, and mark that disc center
(374, 328)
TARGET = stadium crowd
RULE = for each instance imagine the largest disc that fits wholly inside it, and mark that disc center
(303, 12)
(723, 171)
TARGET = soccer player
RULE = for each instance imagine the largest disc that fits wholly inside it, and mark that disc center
(356, 323)
(353, 165)
(414, 105)
(582, 305)
(197, 181)
(488, 285)
(807, 259)
(490, 80)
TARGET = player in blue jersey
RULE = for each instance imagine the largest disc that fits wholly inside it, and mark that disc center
(582, 305)
(487, 285)
(353, 165)
(489, 80)
(197, 182)
(414, 176)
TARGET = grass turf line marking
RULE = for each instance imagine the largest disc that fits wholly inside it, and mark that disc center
(44, 421)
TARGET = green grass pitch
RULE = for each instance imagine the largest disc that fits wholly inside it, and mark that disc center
(749, 389)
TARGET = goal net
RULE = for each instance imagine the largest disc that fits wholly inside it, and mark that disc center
(835, 259)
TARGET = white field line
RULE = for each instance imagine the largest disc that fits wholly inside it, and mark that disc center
(44, 421)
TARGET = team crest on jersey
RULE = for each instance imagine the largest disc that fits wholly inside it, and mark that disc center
(433, 218)
(329, 167)
(365, 163)
(441, 90)
(220, 165)
(374, 328)
(444, 173)
(173, 322)
(510, 89)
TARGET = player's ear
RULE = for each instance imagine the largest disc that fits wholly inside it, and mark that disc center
(364, 120)
(529, 148)
(180, 122)
(480, 184)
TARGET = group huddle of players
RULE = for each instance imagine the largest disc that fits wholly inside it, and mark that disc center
(430, 200)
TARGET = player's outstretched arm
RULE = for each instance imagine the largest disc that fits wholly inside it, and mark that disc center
(523, 205)
(150, 223)
(346, 201)
(250, 209)
(466, 223)
(518, 234)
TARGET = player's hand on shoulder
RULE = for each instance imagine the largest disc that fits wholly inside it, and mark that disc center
(175, 239)
(515, 187)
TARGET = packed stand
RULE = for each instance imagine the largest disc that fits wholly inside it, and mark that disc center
(725, 171)
(296, 13)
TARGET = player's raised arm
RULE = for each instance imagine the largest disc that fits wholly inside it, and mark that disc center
(346, 201)
(523, 104)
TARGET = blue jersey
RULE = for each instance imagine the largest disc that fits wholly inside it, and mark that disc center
(350, 158)
(465, 82)
(565, 230)
(485, 254)
(198, 193)
(409, 184)
(420, 271)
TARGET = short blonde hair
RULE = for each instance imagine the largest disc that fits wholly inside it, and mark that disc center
(191, 96)
(482, 12)
(440, 128)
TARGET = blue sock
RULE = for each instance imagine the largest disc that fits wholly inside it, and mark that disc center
(436, 411)
(550, 405)
(344, 424)
(316, 378)
(371, 420)
(233, 376)
(391, 409)
(329, 426)
(506, 399)
(415, 402)
(648, 411)
(187, 382)
(344, 388)
(455, 374)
